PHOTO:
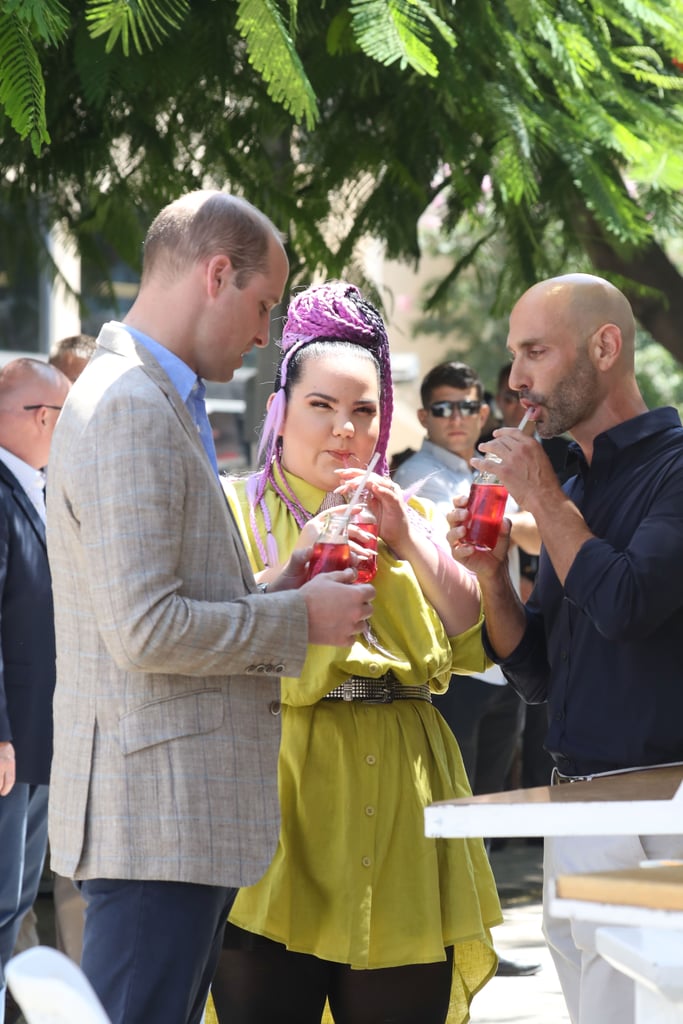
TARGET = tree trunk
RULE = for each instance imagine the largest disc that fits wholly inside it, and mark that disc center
(661, 310)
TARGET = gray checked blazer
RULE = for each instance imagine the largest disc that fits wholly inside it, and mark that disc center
(166, 710)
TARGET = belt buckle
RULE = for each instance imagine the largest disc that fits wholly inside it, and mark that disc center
(347, 690)
(386, 698)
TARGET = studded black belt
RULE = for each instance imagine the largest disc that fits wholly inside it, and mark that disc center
(383, 690)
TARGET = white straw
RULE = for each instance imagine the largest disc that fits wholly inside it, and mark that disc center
(361, 485)
(525, 418)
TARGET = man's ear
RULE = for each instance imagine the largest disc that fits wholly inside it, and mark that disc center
(218, 272)
(484, 414)
(422, 415)
(605, 346)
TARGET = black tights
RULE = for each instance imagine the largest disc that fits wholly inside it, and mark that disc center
(267, 984)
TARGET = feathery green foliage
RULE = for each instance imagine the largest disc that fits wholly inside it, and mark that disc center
(549, 132)
(274, 56)
(46, 19)
(388, 31)
(22, 90)
(399, 31)
(145, 22)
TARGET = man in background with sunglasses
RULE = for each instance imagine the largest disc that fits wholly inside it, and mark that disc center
(484, 713)
(453, 414)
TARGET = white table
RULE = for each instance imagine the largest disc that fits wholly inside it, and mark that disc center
(644, 939)
(650, 799)
(641, 916)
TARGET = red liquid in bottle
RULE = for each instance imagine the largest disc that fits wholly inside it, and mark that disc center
(328, 557)
(486, 506)
(367, 566)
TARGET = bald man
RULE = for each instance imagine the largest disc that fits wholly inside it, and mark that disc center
(599, 639)
(31, 397)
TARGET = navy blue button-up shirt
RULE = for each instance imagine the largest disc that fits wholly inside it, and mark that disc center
(606, 650)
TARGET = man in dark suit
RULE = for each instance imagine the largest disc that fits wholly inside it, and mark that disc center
(31, 396)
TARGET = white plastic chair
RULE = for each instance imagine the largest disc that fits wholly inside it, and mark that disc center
(51, 989)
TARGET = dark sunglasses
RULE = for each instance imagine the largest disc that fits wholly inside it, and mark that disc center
(444, 410)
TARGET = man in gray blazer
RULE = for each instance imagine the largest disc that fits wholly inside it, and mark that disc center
(164, 778)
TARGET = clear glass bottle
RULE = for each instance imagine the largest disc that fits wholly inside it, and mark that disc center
(486, 506)
(331, 550)
(366, 519)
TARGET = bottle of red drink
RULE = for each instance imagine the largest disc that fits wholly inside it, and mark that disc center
(486, 506)
(366, 566)
(331, 550)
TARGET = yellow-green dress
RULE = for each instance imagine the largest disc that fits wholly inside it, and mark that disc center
(354, 880)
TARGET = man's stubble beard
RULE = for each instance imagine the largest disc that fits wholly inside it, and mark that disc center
(573, 400)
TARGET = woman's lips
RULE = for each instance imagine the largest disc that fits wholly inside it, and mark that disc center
(341, 456)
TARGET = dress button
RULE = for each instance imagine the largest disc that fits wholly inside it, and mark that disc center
(366, 862)
(275, 707)
(370, 759)
(370, 810)
(373, 668)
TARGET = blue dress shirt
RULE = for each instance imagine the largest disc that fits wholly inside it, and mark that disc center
(606, 650)
(189, 386)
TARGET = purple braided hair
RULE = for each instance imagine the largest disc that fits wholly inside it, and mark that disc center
(334, 311)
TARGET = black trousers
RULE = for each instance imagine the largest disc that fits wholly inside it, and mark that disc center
(487, 720)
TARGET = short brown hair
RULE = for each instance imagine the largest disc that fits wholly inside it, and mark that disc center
(80, 345)
(203, 224)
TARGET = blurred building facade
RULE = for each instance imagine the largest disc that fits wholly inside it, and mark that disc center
(36, 311)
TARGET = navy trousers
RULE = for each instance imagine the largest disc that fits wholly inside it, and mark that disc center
(23, 840)
(150, 949)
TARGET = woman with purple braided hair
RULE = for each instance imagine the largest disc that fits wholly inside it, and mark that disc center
(358, 908)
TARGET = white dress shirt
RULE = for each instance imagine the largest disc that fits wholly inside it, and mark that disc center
(32, 480)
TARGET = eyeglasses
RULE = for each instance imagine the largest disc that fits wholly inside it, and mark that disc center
(42, 405)
(444, 410)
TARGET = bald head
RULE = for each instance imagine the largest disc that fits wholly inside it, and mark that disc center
(581, 304)
(572, 339)
(31, 395)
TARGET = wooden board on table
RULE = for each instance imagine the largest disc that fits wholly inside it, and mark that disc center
(606, 805)
(643, 784)
(659, 887)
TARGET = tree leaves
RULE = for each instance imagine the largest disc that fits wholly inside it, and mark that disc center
(544, 126)
(400, 31)
(272, 53)
(22, 90)
(144, 22)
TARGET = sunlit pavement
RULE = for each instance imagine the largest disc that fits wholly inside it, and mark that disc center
(535, 999)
